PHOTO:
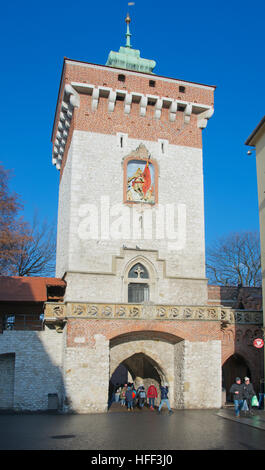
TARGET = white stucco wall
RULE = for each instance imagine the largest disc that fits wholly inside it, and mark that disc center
(94, 170)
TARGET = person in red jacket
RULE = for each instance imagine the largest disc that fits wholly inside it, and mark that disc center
(151, 395)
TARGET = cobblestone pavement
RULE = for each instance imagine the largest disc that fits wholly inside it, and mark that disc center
(119, 430)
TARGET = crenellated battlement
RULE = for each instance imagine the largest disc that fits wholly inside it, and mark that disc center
(171, 106)
(108, 100)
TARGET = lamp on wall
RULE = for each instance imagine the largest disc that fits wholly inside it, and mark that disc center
(249, 152)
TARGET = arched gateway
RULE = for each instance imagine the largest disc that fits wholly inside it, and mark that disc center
(148, 357)
(234, 366)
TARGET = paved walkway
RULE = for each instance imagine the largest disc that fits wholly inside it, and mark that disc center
(138, 430)
(117, 408)
(255, 421)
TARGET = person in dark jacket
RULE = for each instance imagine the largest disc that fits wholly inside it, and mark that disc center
(237, 392)
(141, 394)
(248, 393)
(129, 398)
(164, 398)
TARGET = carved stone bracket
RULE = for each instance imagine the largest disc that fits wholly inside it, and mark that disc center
(71, 100)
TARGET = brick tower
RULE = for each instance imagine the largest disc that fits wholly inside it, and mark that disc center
(130, 246)
(110, 120)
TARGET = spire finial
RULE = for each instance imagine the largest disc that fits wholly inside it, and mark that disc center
(128, 34)
(127, 57)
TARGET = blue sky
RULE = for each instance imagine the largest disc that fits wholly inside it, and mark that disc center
(216, 43)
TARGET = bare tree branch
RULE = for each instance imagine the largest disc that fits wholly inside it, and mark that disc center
(235, 259)
(24, 250)
(37, 254)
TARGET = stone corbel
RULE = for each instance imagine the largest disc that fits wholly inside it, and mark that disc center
(127, 103)
(158, 108)
(143, 105)
(187, 113)
(202, 119)
(74, 98)
(71, 100)
(173, 111)
(112, 101)
(95, 97)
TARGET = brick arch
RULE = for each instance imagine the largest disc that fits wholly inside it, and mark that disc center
(155, 335)
(134, 327)
(188, 330)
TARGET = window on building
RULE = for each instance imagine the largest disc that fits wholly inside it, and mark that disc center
(29, 322)
(121, 78)
(152, 83)
(138, 293)
(138, 288)
(9, 322)
(138, 271)
(182, 89)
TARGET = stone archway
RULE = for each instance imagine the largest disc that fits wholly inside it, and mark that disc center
(234, 366)
(141, 370)
(150, 356)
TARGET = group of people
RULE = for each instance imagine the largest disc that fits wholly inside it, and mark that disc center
(243, 393)
(127, 395)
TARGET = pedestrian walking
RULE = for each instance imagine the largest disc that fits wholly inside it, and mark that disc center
(152, 395)
(237, 392)
(134, 395)
(123, 395)
(261, 394)
(129, 398)
(164, 398)
(141, 393)
(248, 393)
(117, 393)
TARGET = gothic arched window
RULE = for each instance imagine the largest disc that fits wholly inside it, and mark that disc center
(138, 271)
(138, 288)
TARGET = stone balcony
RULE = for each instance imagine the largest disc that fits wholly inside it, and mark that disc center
(55, 311)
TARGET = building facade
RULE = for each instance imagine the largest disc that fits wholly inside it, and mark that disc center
(131, 248)
(257, 140)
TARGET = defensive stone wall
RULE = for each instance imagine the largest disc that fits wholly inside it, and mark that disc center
(31, 362)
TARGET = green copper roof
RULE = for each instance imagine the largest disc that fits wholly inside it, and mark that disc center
(128, 58)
